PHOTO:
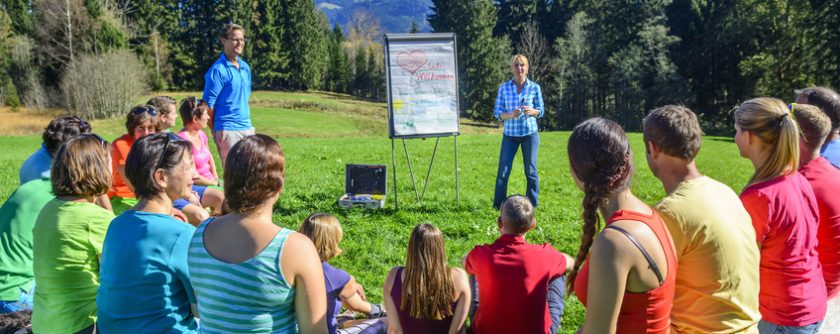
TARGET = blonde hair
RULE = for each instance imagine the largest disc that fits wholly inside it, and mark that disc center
(428, 288)
(325, 232)
(769, 120)
(521, 58)
(815, 124)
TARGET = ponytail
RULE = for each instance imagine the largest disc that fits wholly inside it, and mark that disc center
(770, 120)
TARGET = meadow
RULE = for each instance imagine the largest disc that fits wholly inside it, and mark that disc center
(321, 132)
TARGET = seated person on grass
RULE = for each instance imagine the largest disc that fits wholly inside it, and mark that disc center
(145, 284)
(142, 121)
(67, 239)
(195, 115)
(167, 115)
(325, 232)
(520, 285)
(59, 131)
(17, 218)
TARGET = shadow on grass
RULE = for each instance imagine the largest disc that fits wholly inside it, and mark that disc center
(480, 125)
(722, 139)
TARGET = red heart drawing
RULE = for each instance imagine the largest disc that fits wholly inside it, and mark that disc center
(412, 61)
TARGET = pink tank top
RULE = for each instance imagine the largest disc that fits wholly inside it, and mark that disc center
(201, 155)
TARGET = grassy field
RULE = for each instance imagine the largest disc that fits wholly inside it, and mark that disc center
(322, 132)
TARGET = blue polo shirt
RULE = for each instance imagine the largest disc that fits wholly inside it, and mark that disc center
(227, 90)
(37, 166)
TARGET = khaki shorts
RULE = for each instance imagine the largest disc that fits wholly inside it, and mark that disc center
(225, 139)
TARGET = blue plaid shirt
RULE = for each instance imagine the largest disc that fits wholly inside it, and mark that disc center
(508, 100)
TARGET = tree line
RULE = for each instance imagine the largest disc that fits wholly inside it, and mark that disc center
(614, 58)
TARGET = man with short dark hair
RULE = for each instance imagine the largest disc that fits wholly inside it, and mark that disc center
(829, 102)
(718, 277)
(227, 91)
(59, 131)
(520, 285)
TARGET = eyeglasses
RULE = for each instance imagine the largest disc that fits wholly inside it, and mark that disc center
(169, 138)
(144, 109)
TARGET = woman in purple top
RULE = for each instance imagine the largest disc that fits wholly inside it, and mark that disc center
(426, 296)
(342, 290)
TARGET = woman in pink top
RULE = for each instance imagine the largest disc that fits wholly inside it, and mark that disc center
(792, 298)
(195, 116)
(628, 282)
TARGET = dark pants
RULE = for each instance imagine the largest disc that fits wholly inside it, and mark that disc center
(530, 147)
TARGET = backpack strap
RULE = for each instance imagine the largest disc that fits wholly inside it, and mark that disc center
(641, 248)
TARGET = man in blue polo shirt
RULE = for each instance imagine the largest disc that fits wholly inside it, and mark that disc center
(227, 90)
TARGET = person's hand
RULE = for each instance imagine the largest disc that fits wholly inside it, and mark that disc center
(194, 199)
(530, 111)
(177, 214)
(514, 114)
(361, 291)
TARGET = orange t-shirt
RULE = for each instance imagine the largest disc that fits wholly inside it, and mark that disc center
(119, 152)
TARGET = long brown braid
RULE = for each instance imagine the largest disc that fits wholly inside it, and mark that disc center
(600, 157)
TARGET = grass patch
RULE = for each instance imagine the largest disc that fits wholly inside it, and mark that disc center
(321, 132)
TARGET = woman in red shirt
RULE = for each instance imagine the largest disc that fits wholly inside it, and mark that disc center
(627, 284)
(784, 212)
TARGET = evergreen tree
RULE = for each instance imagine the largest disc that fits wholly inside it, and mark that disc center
(361, 78)
(303, 36)
(414, 28)
(270, 54)
(20, 15)
(571, 91)
(513, 18)
(337, 67)
(482, 59)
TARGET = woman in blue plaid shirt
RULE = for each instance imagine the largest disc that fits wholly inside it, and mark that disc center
(519, 104)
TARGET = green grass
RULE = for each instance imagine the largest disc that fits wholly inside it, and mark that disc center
(322, 132)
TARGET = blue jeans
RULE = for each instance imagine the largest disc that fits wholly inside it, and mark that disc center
(530, 148)
(24, 302)
(765, 327)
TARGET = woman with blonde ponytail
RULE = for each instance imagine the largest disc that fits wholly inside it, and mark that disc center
(627, 283)
(426, 296)
(784, 212)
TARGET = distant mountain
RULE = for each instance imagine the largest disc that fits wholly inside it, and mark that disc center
(395, 16)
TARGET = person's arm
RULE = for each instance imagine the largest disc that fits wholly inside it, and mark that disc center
(538, 109)
(390, 308)
(609, 265)
(180, 266)
(212, 88)
(104, 202)
(462, 289)
(351, 299)
(499, 108)
(758, 206)
(203, 181)
(301, 267)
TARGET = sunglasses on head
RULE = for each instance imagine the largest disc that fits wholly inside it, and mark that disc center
(144, 109)
(169, 138)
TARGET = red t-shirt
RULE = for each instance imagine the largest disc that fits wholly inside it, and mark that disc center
(784, 214)
(119, 152)
(825, 180)
(512, 278)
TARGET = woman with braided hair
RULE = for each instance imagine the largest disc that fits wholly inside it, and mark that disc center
(627, 283)
(784, 212)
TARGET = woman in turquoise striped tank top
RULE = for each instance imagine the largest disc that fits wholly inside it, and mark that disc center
(249, 275)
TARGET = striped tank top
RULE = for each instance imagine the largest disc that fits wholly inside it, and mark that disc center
(247, 297)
